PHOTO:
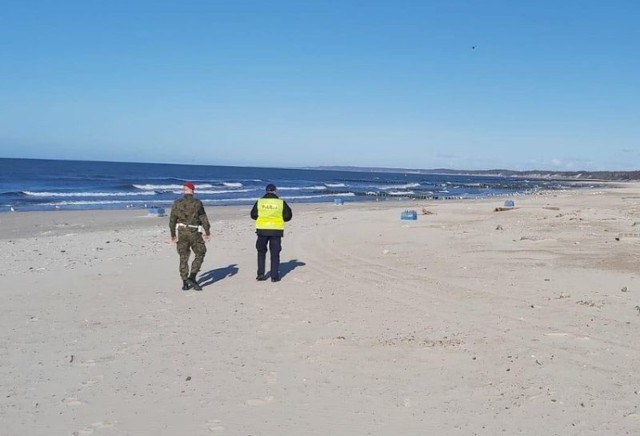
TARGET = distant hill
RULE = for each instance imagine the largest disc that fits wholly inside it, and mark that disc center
(530, 174)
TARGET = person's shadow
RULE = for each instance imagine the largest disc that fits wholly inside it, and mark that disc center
(287, 267)
(210, 277)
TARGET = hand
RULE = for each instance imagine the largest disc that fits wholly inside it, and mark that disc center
(207, 238)
(174, 239)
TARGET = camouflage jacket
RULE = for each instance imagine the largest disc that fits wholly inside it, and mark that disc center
(188, 210)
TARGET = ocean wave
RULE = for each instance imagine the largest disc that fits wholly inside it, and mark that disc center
(335, 185)
(290, 197)
(306, 197)
(226, 191)
(86, 194)
(301, 188)
(149, 187)
(406, 186)
(101, 202)
(165, 202)
(232, 184)
(181, 180)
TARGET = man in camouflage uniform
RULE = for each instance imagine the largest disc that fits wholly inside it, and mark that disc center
(188, 218)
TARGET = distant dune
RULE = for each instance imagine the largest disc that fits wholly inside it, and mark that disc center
(531, 174)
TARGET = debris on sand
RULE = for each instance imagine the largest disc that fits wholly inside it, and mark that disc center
(627, 235)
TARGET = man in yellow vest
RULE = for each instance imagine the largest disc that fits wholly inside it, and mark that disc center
(270, 214)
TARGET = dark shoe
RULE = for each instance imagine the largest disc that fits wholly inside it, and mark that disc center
(185, 285)
(194, 284)
(275, 279)
(262, 277)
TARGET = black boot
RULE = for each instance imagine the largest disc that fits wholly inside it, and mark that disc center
(194, 284)
(185, 285)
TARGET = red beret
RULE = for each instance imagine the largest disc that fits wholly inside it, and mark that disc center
(189, 185)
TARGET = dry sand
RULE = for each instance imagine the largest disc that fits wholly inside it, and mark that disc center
(466, 321)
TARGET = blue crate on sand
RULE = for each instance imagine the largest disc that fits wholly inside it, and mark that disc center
(156, 211)
(338, 201)
(409, 215)
(509, 203)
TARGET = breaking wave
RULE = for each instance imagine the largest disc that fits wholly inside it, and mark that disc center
(86, 194)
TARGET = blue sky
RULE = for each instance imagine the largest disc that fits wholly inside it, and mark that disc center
(549, 84)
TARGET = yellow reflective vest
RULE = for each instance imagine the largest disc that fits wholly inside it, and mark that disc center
(270, 212)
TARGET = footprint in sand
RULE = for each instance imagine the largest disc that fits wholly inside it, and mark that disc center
(102, 424)
(90, 429)
(73, 402)
(215, 426)
(259, 401)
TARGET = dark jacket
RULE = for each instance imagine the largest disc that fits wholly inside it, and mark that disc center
(188, 210)
(287, 214)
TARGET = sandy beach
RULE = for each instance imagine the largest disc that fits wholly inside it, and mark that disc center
(467, 321)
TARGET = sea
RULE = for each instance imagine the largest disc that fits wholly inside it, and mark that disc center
(50, 185)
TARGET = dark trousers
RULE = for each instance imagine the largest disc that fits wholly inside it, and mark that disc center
(275, 246)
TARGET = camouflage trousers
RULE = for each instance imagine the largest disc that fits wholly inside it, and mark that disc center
(190, 240)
